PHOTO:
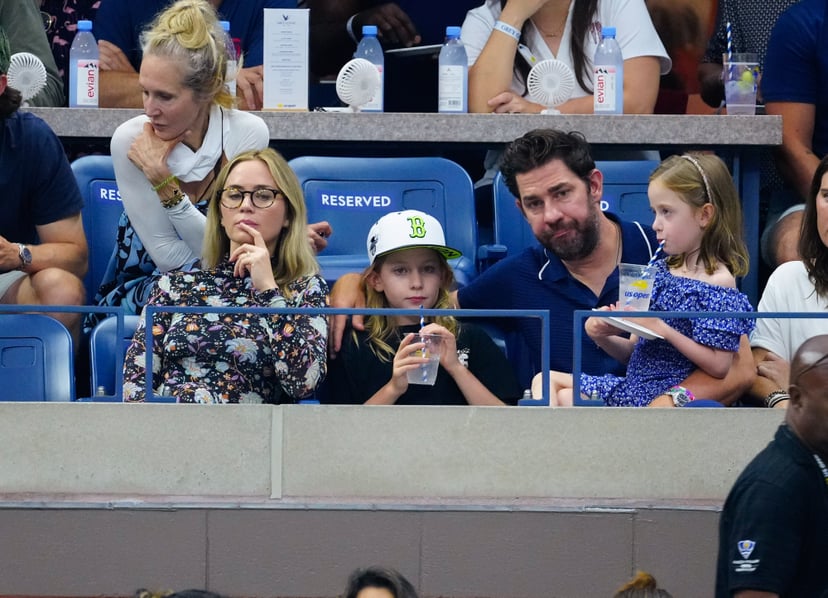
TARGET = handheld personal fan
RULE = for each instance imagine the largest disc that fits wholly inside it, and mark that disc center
(357, 82)
(27, 75)
(551, 83)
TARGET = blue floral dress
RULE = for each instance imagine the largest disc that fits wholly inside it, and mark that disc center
(230, 358)
(655, 365)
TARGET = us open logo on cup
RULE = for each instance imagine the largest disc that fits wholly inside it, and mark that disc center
(635, 289)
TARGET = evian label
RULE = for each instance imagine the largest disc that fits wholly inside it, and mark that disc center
(606, 80)
(87, 81)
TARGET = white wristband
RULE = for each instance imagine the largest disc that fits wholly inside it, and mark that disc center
(507, 29)
(349, 27)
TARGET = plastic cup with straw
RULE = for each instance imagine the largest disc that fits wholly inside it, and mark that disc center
(425, 348)
(648, 269)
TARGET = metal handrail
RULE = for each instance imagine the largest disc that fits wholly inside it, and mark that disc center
(541, 314)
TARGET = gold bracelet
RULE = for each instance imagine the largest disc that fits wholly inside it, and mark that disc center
(164, 183)
(171, 202)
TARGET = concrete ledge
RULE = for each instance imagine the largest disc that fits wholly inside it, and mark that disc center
(264, 501)
(264, 453)
(118, 449)
(648, 130)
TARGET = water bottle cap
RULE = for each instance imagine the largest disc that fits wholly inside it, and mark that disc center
(608, 31)
(452, 31)
(84, 25)
(225, 25)
(369, 30)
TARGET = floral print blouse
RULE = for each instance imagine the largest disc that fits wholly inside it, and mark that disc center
(230, 358)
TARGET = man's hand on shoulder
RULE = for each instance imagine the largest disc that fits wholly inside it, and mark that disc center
(347, 292)
(318, 234)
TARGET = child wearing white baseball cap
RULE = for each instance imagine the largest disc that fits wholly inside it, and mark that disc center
(409, 270)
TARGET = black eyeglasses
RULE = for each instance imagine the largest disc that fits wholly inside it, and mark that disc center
(48, 20)
(263, 197)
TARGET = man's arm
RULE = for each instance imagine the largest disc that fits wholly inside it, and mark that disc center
(710, 83)
(737, 382)
(62, 245)
(796, 158)
(772, 374)
(119, 80)
(332, 46)
(349, 292)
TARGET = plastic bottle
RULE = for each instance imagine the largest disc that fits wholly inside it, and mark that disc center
(453, 74)
(83, 68)
(370, 49)
(608, 75)
(232, 58)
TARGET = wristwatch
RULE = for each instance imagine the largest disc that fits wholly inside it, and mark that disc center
(680, 395)
(25, 256)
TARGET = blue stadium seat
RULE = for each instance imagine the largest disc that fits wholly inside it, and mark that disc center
(352, 193)
(103, 345)
(101, 211)
(36, 359)
(625, 194)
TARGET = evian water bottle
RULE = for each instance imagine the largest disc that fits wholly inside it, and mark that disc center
(608, 75)
(83, 68)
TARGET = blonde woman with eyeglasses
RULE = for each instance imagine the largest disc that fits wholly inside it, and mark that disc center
(255, 254)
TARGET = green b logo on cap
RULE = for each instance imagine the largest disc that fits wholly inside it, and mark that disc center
(418, 230)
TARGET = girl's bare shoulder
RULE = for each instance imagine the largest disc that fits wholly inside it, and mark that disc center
(722, 277)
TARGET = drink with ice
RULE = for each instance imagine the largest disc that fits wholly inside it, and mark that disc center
(741, 77)
(432, 349)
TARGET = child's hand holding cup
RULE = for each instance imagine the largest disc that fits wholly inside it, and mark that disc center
(432, 349)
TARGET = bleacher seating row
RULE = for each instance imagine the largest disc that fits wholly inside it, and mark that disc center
(352, 193)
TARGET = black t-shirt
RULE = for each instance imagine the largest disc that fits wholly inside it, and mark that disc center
(773, 532)
(357, 373)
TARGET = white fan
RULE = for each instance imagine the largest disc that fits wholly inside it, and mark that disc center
(357, 82)
(27, 75)
(551, 83)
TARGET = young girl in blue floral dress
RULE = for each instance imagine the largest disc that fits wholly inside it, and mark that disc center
(698, 221)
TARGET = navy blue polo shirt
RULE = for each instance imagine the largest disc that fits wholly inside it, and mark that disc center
(537, 279)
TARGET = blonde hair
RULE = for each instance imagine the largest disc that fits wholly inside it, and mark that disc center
(189, 33)
(700, 179)
(293, 257)
(380, 328)
(643, 585)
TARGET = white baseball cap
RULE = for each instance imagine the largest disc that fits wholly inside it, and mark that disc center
(406, 230)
